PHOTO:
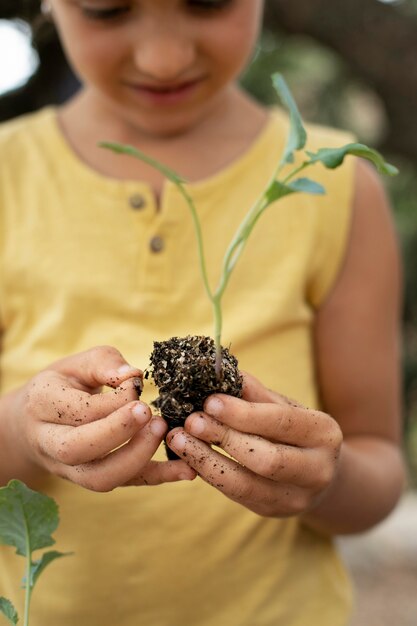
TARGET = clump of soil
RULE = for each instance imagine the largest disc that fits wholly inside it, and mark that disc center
(183, 369)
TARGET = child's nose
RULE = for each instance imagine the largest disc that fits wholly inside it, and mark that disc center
(164, 56)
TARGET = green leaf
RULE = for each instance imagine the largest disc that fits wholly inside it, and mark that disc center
(38, 566)
(333, 157)
(298, 136)
(276, 191)
(8, 610)
(27, 518)
(302, 185)
(138, 154)
(305, 185)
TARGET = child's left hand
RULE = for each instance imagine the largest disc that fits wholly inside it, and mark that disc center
(284, 456)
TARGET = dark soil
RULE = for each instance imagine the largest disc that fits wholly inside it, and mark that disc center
(183, 369)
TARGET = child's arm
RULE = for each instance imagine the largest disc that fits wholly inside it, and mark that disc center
(358, 345)
(60, 423)
(340, 469)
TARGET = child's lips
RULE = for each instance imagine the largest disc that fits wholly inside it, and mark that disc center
(166, 94)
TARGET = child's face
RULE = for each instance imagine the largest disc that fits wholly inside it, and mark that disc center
(160, 65)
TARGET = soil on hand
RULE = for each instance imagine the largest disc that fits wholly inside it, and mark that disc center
(183, 369)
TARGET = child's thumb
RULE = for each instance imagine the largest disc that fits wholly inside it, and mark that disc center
(101, 365)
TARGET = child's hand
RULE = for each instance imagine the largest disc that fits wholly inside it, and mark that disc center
(64, 425)
(286, 455)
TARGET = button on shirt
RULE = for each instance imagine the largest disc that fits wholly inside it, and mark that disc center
(155, 228)
(156, 244)
(137, 202)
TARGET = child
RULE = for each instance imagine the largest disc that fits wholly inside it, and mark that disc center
(98, 260)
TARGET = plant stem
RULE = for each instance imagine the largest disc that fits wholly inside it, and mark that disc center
(28, 586)
(234, 252)
(28, 591)
(200, 244)
(238, 242)
(232, 255)
(214, 299)
(217, 310)
(295, 171)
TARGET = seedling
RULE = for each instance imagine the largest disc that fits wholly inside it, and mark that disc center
(284, 181)
(186, 370)
(27, 521)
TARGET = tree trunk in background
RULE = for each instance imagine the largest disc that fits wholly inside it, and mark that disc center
(377, 41)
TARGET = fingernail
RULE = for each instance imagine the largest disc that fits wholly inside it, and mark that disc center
(179, 442)
(126, 369)
(185, 477)
(158, 427)
(197, 426)
(214, 406)
(140, 411)
(138, 385)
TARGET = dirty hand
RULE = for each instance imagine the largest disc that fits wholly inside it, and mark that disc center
(283, 459)
(63, 424)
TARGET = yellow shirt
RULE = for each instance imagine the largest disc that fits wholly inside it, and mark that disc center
(78, 269)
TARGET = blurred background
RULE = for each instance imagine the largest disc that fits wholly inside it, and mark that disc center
(351, 64)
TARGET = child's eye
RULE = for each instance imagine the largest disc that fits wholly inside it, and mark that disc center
(109, 13)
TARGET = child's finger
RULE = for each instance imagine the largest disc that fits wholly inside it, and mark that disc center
(55, 400)
(159, 472)
(101, 365)
(74, 446)
(282, 463)
(254, 391)
(121, 465)
(238, 483)
(280, 422)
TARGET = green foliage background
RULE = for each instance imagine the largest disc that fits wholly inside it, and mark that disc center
(327, 93)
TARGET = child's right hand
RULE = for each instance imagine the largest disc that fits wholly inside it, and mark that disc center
(62, 423)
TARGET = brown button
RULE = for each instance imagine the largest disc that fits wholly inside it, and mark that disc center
(137, 202)
(157, 244)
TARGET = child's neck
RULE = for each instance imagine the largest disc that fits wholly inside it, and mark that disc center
(200, 152)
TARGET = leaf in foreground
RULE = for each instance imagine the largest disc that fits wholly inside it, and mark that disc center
(27, 518)
(8, 610)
